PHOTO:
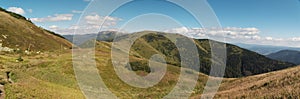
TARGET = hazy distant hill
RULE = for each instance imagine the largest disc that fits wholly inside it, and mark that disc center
(101, 36)
(291, 56)
(16, 32)
(265, 49)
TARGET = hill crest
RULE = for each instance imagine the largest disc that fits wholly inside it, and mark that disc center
(16, 32)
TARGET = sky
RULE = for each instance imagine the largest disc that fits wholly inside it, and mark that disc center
(267, 22)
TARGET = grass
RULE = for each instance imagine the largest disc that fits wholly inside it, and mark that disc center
(121, 89)
(49, 75)
(279, 84)
(41, 77)
(17, 32)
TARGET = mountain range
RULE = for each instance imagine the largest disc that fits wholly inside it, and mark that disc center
(291, 56)
(50, 75)
(101, 36)
(240, 62)
(265, 49)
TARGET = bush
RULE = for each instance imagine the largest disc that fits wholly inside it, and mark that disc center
(20, 59)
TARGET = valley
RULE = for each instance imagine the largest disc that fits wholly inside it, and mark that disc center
(51, 75)
(36, 63)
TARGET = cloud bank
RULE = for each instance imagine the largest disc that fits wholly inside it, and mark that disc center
(236, 35)
(17, 10)
(90, 24)
(55, 18)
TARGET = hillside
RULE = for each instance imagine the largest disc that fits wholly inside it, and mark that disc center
(276, 84)
(240, 62)
(284, 84)
(291, 56)
(42, 76)
(52, 76)
(30, 66)
(16, 32)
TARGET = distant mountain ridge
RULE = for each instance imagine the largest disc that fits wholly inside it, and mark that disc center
(101, 36)
(17, 32)
(291, 56)
(265, 49)
(240, 62)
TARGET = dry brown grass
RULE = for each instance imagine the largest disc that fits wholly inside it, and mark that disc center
(278, 84)
(21, 34)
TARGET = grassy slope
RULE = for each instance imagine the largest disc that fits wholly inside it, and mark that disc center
(123, 90)
(20, 33)
(44, 76)
(278, 84)
(240, 62)
(51, 76)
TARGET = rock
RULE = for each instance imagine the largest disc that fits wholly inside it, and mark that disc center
(5, 49)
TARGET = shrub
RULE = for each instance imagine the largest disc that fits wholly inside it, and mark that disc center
(20, 59)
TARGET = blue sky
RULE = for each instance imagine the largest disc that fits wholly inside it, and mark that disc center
(259, 21)
(278, 18)
(43, 8)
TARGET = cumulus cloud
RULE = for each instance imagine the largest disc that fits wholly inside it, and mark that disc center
(76, 11)
(55, 18)
(269, 38)
(95, 21)
(236, 34)
(230, 32)
(295, 39)
(53, 27)
(90, 24)
(16, 10)
(61, 30)
(178, 30)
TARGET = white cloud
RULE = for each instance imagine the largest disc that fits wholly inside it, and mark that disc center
(95, 21)
(230, 32)
(178, 30)
(256, 37)
(16, 10)
(236, 34)
(295, 39)
(89, 24)
(269, 38)
(53, 27)
(76, 11)
(55, 18)
(278, 39)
